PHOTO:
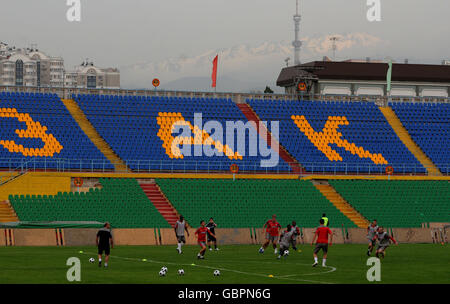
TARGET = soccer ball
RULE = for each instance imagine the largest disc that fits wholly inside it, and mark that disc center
(216, 273)
(91, 260)
(286, 253)
(180, 272)
(162, 273)
(164, 269)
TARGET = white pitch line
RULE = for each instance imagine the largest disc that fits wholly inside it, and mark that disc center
(305, 274)
(300, 274)
(332, 269)
(210, 267)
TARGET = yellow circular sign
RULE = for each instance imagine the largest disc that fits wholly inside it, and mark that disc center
(234, 168)
(389, 170)
(301, 86)
(78, 182)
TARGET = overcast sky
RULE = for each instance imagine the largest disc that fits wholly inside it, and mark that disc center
(125, 32)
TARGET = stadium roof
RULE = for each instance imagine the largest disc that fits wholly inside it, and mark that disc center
(344, 70)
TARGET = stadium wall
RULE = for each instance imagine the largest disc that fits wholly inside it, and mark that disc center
(144, 236)
(3, 241)
(35, 183)
(34, 237)
(79, 237)
(151, 236)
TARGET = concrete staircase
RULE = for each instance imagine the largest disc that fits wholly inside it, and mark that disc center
(92, 133)
(252, 116)
(7, 213)
(406, 139)
(160, 201)
(340, 203)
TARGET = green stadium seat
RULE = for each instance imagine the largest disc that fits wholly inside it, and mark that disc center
(398, 203)
(249, 203)
(120, 202)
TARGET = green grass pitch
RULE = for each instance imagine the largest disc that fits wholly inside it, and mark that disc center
(406, 263)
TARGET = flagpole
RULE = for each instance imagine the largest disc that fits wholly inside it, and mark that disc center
(388, 82)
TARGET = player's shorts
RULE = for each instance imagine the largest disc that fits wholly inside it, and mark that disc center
(293, 242)
(372, 241)
(102, 249)
(382, 247)
(283, 248)
(323, 246)
(271, 238)
(211, 238)
(181, 239)
(203, 244)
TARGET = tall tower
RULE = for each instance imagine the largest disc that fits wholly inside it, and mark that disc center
(333, 40)
(297, 43)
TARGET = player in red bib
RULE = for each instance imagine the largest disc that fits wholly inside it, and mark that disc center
(322, 233)
(272, 229)
(201, 233)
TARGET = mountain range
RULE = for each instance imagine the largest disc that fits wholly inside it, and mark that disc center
(242, 68)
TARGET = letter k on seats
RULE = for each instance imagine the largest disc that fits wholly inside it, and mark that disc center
(330, 135)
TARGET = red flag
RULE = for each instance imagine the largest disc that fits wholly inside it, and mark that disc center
(214, 71)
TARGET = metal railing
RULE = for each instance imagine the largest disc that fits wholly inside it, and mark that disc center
(12, 175)
(66, 93)
(191, 166)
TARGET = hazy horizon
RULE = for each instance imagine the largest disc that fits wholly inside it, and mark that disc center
(177, 39)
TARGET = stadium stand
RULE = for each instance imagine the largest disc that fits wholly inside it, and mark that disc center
(38, 131)
(249, 203)
(398, 203)
(429, 125)
(120, 202)
(337, 136)
(138, 129)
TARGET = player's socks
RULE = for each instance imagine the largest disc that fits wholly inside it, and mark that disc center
(324, 262)
(106, 264)
(276, 251)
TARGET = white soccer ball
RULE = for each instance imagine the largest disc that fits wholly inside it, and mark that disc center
(164, 269)
(162, 273)
(91, 260)
(180, 272)
(286, 252)
(216, 273)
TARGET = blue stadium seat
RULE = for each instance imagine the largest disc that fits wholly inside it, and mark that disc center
(130, 126)
(429, 126)
(367, 128)
(48, 112)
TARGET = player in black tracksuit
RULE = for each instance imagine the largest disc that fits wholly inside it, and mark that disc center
(104, 238)
(211, 225)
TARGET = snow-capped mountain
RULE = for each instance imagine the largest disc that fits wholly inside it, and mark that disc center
(253, 66)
